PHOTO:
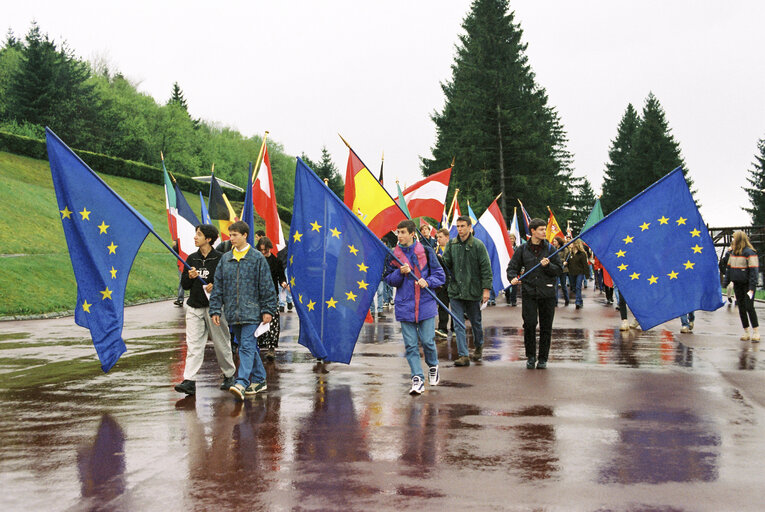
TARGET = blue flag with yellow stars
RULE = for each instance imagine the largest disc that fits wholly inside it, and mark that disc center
(659, 253)
(335, 263)
(103, 234)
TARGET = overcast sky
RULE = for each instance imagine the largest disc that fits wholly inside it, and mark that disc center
(306, 70)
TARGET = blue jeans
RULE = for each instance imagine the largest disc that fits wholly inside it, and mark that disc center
(379, 298)
(473, 309)
(388, 292)
(250, 366)
(686, 320)
(578, 287)
(423, 330)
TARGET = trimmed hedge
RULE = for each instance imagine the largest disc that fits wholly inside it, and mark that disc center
(35, 148)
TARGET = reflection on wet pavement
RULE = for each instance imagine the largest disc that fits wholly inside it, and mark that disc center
(620, 421)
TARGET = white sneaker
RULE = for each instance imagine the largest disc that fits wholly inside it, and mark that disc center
(625, 326)
(685, 329)
(418, 386)
(433, 377)
(690, 325)
(635, 325)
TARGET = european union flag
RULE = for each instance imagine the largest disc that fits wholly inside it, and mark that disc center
(659, 253)
(103, 234)
(336, 264)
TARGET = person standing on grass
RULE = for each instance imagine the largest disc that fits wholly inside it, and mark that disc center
(416, 309)
(743, 267)
(467, 260)
(203, 264)
(243, 285)
(538, 291)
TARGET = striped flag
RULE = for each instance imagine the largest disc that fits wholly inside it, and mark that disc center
(427, 197)
(492, 231)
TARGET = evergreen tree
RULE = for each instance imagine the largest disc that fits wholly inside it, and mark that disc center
(177, 97)
(617, 179)
(496, 120)
(654, 150)
(326, 169)
(756, 192)
(582, 203)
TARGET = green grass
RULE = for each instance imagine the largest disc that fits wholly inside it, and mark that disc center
(41, 279)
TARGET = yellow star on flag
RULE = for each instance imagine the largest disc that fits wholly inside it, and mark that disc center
(634, 276)
(629, 239)
(331, 302)
(644, 226)
(350, 296)
(66, 213)
(353, 250)
(652, 279)
(695, 232)
(102, 228)
(697, 249)
(622, 267)
(315, 226)
(681, 220)
(620, 254)
(300, 298)
(296, 236)
(335, 233)
(663, 220)
(112, 248)
(85, 214)
(362, 267)
(291, 259)
(292, 281)
(113, 272)
(310, 305)
(688, 265)
(672, 275)
(86, 306)
(362, 285)
(106, 294)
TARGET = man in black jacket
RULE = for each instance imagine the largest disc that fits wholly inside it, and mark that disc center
(198, 323)
(538, 291)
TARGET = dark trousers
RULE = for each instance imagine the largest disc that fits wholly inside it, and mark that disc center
(622, 307)
(511, 294)
(609, 293)
(443, 315)
(745, 305)
(532, 309)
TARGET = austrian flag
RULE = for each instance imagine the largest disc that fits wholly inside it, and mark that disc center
(426, 198)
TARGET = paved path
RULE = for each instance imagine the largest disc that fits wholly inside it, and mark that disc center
(651, 420)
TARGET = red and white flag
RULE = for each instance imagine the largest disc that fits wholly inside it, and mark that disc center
(426, 197)
(264, 201)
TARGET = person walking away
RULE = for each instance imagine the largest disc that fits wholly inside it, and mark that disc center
(556, 244)
(538, 291)
(442, 237)
(270, 340)
(743, 267)
(203, 264)
(415, 308)
(724, 269)
(468, 261)
(244, 287)
(511, 292)
(578, 267)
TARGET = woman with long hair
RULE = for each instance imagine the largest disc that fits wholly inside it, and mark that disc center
(743, 270)
(577, 266)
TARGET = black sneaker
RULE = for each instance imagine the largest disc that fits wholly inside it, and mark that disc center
(380, 315)
(178, 302)
(477, 353)
(187, 386)
(530, 362)
(289, 306)
(542, 365)
(228, 382)
(281, 309)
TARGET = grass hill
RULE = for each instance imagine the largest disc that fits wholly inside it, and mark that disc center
(38, 276)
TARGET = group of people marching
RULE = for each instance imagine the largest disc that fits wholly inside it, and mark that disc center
(453, 271)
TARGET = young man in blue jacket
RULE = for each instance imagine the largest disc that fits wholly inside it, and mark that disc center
(416, 309)
(243, 285)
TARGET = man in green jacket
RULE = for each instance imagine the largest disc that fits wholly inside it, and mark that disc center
(468, 261)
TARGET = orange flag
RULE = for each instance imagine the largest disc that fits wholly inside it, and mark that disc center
(553, 229)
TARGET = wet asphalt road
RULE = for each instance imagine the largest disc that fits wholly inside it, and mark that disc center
(651, 420)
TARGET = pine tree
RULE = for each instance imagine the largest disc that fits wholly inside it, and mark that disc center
(496, 120)
(581, 204)
(177, 98)
(616, 190)
(326, 169)
(654, 150)
(756, 192)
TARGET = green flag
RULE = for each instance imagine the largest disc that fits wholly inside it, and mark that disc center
(595, 215)
(402, 202)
